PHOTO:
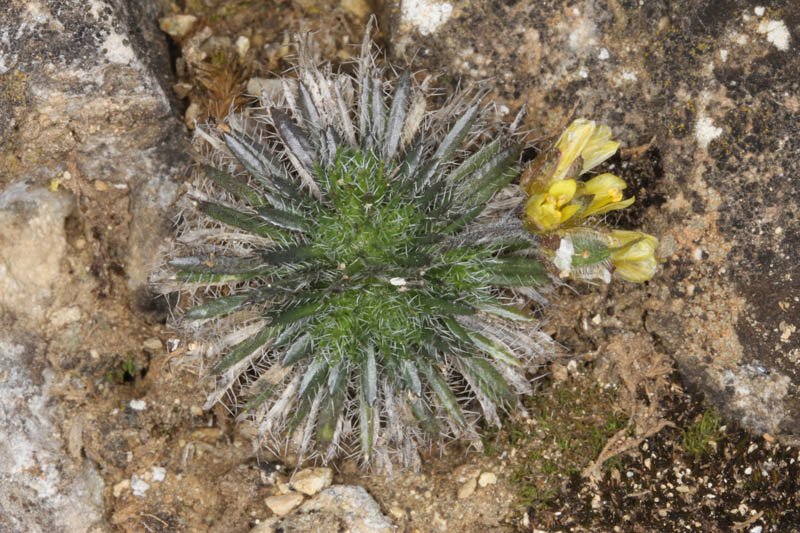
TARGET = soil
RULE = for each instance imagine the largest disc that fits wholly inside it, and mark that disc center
(612, 440)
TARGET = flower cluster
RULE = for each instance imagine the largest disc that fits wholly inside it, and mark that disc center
(559, 203)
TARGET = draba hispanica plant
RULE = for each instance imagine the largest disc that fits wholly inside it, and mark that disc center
(361, 264)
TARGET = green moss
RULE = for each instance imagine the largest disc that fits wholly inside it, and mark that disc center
(698, 436)
(571, 425)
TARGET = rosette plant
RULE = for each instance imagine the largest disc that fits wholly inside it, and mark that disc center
(358, 260)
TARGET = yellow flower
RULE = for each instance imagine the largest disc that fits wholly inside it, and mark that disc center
(570, 145)
(548, 210)
(606, 191)
(581, 147)
(633, 255)
(599, 148)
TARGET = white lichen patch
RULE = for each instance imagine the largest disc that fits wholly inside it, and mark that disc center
(705, 131)
(583, 36)
(115, 46)
(426, 16)
(777, 33)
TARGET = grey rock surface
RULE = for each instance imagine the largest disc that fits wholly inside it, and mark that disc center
(44, 487)
(709, 94)
(89, 147)
(85, 98)
(338, 508)
(32, 246)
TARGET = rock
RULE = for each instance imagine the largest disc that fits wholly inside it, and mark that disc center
(191, 115)
(242, 45)
(177, 26)
(32, 246)
(139, 487)
(337, 508)
(65, 315)
(283, 504)
(121, 487)
(153, 344)
(486, 479)
(158, 473)
(467, 489)
(86, 94)
(137, 405)
(312, 480)
(715, 184)
(44, 488)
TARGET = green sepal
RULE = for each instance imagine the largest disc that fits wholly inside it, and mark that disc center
(588, 251)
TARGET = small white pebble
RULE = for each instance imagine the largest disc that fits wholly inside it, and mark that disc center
(159, 473)
(398, 282)
(603, 55)
(242, 45)
(583, 73)
(137, 405)
(759, 11)
(487, 478)
(138, 486)
(777, 33)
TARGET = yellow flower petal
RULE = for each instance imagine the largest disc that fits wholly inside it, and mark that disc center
(568, 211)
(633, 255)
(563, 191)
(600, 208)
(571, 144)
(606, 191)
(603, 182)
(599, 148)
(543, 214)
(638, 271)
